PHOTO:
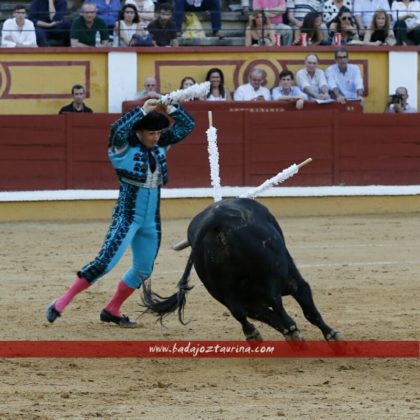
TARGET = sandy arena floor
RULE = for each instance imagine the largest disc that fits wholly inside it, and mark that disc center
(365, 276)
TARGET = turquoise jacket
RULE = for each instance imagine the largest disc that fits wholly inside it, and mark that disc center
(132, 163)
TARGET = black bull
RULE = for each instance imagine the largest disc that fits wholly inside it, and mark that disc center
(240, 255)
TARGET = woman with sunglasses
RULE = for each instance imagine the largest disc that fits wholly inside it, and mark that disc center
(379, 31)
(345, 25)
(332, 7)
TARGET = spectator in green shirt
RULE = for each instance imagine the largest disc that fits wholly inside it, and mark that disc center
(84, 28)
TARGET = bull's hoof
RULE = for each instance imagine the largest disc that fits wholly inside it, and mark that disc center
(254, 336)
(294, 336)
(334, 336)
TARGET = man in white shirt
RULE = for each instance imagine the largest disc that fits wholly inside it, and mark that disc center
(344, 79)
(311, 79)
(18, 31)
(253, 90)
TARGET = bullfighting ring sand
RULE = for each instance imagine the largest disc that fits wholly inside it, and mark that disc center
(365, 276)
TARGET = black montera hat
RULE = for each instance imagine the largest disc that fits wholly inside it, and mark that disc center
(153, 121)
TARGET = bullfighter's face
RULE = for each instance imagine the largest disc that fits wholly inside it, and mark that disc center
(149, 138)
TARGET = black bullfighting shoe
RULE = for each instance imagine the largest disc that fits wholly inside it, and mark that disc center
(122, 321)
(52, 313)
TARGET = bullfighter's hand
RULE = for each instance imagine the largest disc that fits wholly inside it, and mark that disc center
(150, 105)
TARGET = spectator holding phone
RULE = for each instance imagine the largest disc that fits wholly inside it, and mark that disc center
(253, 90)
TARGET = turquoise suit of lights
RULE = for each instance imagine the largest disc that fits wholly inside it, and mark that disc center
(136, 216)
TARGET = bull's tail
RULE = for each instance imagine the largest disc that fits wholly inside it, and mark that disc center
(164, 306)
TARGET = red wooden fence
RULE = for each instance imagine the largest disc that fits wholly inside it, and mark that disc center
(255, 142)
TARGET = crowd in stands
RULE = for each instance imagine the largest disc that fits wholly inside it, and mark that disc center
(271, 22)
(162, 23)
(340, 82)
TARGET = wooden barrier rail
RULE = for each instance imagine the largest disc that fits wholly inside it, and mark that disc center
(348, 148)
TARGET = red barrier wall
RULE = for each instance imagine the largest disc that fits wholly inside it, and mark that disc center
(255, 142)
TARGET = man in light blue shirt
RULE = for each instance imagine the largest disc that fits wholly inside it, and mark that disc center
(344, 79)
(287, 92)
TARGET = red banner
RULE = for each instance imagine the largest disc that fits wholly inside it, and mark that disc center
(209, 349)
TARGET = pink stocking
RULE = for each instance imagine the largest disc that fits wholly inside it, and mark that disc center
(122, 293)
(79, 284)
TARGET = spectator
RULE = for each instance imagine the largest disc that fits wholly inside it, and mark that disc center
(149, 89)
(253, 90)
(297, 10)
(287, 92)
(406, 15)
(331, 8)
(212, 6)
(379, 31)
(107, 10)
(344, 79)
(127, 25)
(259, 31)
(186, 82)
(312, 26)
(85, 27)
(275, 11)
(145, 9)
(398, 103)
(78, 105)
(344, 25)
(48, 17)
(218, 91)
(363, 11)
(18, 31)
(163, 28)
(311, 79)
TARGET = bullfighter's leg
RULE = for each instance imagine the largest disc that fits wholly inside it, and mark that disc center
(303, 296)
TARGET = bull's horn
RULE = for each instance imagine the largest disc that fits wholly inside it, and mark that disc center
(180, 245)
